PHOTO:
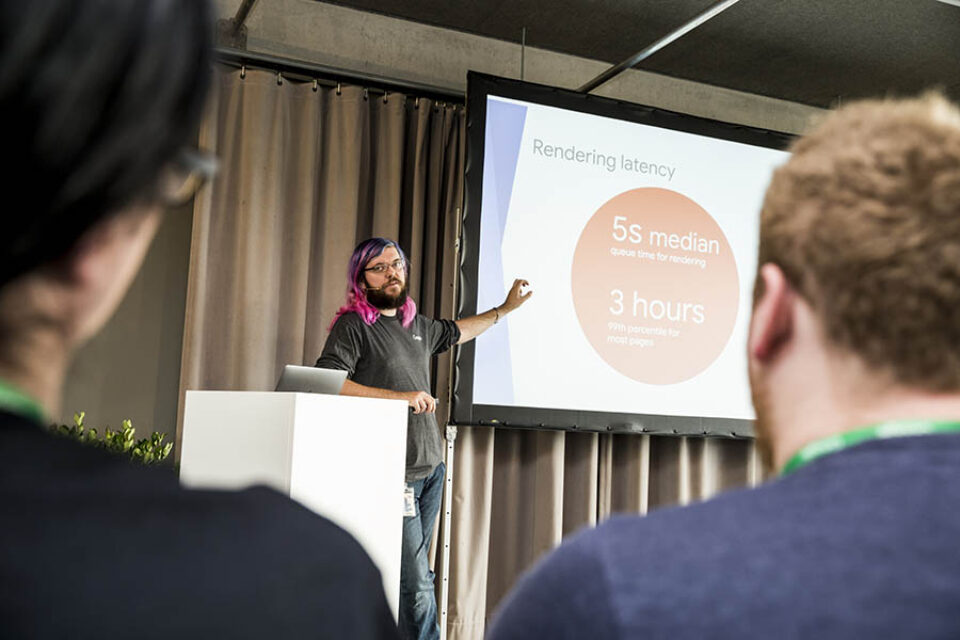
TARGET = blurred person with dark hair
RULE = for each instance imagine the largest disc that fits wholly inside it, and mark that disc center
(854, 362)
(99, 102)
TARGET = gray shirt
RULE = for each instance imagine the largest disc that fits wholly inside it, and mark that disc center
(387, 356)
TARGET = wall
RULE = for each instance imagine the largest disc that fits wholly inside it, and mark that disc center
(380, 45)
(131, 369)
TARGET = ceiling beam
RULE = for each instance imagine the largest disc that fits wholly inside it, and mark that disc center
(232, 32)
(635, 59)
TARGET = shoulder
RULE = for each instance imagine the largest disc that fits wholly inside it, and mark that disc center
(631, 571)
(60, 478)
(349, 320)
(272, 559)
(679, 542)
(423, 323)
(271, 516)
(420, 319)
(436, 324)
(349, 323)
(287, 548)
(565, 595)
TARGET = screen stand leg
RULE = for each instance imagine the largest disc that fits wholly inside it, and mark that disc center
(445, 543)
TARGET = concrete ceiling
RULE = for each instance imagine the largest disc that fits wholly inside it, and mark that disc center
(809, 51)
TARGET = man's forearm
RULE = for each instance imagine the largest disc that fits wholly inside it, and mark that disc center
(351, 388)
(419, 401)
(473, 326)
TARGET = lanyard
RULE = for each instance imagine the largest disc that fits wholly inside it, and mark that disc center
(15, 401)
(882, 431)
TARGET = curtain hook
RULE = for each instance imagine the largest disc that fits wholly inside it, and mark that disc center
(279, 78)
(365, 94)
(338, 88)
(416, 103)
(316, 85)
(385, 97)
(243, 71)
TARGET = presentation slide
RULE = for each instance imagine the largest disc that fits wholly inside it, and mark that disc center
(640, 246)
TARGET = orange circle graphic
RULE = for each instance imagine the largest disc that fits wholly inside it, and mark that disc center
(655, 285)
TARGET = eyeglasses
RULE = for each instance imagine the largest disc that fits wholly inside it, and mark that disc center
(182, 178)
(383, 267)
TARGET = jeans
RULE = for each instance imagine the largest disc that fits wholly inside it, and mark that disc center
(418, 603)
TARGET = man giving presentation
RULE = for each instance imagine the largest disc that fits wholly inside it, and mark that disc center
(386, 346)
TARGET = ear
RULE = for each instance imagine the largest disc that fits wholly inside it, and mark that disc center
(95, 254)
(98, 270)
(772, 324)
(81, 265)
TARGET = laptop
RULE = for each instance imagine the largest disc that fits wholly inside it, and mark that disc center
(311, 380)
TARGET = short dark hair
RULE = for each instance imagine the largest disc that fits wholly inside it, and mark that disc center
(96, 97)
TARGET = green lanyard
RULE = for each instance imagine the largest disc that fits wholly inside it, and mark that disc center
(15, 401)
(895, 429)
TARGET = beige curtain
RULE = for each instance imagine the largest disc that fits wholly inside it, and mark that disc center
(306, 173)
(518, 493)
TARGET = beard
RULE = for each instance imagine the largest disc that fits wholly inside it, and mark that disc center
(763, 426)
(380, 299)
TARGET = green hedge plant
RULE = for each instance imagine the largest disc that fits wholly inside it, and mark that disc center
(145, 451)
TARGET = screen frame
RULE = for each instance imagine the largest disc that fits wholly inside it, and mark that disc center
(464, 412)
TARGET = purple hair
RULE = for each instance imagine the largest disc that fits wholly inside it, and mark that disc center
(356, 296)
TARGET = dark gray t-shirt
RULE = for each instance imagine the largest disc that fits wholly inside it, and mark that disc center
(387, 356)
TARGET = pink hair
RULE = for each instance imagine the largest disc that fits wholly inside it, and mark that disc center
(356, 295)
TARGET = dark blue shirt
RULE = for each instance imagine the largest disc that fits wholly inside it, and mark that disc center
(863, 543)
(94, 546)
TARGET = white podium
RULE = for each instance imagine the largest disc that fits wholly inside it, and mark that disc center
(342, 457)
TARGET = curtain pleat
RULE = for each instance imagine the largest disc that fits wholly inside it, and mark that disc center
(471, 527)
(581, 463)
(305, 175)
